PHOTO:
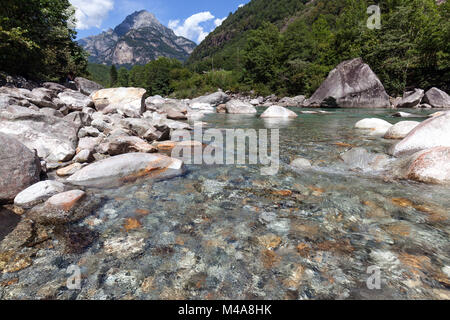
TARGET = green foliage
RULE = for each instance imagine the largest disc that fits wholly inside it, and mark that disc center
(98, 73)
(37, 40)
(288, 47)
(261, 55)
(122, 77)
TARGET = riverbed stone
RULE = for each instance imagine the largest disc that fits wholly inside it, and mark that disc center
(87, 87)
(361, 159)
(127, 167)
(430, 166)
(53, 138)
(375, 126)
(301, 163)
(278, 112)
(37, 193)
(240, 107)
(433, 132)
(213, 99)
(83, 156)
(126, 101)
(120, 144)
(69, 170)
(401, 129)
(437, 98)
(411, 99)
(19, 167)
(75, 100)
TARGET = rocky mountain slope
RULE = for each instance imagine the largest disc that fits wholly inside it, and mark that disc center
(139, 39)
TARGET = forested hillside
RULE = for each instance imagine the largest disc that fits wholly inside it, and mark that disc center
(288, 47)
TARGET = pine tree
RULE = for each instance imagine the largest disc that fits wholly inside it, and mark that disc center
(113, 76)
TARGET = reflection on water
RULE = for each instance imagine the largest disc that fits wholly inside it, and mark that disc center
(222, 232)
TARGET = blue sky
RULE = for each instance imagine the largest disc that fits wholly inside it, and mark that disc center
(193, 19)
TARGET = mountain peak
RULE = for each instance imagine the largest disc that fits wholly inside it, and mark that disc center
(136, 20)
(139, 39)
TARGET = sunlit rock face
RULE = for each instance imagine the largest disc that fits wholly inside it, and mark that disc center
(139, 39)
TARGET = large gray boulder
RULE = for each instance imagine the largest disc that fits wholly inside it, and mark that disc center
(40, 97)
(434, 132)
(213, 99)
(240, 107)
(43, 98)
(55, 87)
(87, 87)
(437, 98)
(352, 84)
(19, 167)
(75, 100)
(125, 101)
(411, 99)
(125, 168)
(53, 138)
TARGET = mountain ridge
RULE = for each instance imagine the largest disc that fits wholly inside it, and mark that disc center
(138, 39)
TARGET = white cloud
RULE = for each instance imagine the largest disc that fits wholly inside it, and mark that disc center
(241, 5)
(218, 21)
(191, 27)
(91, 13)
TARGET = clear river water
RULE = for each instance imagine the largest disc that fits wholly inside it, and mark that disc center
(228, 232)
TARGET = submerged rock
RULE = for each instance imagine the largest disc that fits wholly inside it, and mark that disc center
(19, 168)
(240, 107)
(278, 112)
(434, 132)
(360, 158)
(352, 84)
(375, 125)
(125, 168)
(407, 115)
(437, 98)
(401, 129)
(301, 163)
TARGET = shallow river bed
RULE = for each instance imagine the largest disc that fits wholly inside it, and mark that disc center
(228, 232)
